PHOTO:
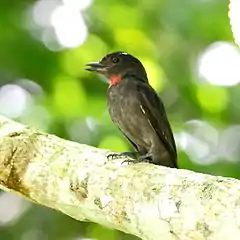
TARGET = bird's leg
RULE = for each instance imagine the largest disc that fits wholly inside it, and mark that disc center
(123, 154)
(142, 158)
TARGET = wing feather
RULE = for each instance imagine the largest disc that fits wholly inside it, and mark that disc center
(154, 109)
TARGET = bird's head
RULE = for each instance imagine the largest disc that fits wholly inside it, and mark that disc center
(117, 65)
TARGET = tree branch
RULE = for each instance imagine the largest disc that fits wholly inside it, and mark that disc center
(145, 200)
(233, 13)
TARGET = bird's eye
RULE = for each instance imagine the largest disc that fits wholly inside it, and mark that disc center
(115, 59)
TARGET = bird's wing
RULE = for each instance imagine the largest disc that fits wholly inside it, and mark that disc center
(133, 144)
(154, 110)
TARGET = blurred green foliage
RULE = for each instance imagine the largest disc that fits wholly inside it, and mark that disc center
(63, 99)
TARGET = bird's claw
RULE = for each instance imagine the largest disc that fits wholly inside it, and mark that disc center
(112, 156)
(138, 160)
(120, 155)
(142, 158)
(128, 161)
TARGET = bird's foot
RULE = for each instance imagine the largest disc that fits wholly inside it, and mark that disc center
(122, 154)
(143, 158)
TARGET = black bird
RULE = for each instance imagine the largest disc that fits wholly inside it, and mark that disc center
(137, 110)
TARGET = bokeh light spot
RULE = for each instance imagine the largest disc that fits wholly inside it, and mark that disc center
(73, 61)
(229, 143)
(42, 11)
(13, 100)
(219, 64)
(31, 86)
(12, 208)
(69, 26)
(199, 141)
(59, 24)
(87, 128)
(37, 116)
(48, 36)
(78, 4)
(212, 98)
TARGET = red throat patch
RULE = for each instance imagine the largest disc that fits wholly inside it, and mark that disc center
(115, 79)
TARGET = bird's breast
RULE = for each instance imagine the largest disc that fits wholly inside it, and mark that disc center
(125, 111)
(117, 99)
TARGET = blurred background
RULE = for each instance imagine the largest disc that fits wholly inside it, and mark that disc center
(191, 60)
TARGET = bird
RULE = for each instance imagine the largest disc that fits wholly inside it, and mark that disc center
(136, 109)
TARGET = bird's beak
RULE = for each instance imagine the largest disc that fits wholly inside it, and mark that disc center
(96, 67)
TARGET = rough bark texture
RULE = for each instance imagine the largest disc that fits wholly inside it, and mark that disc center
(145, 200)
